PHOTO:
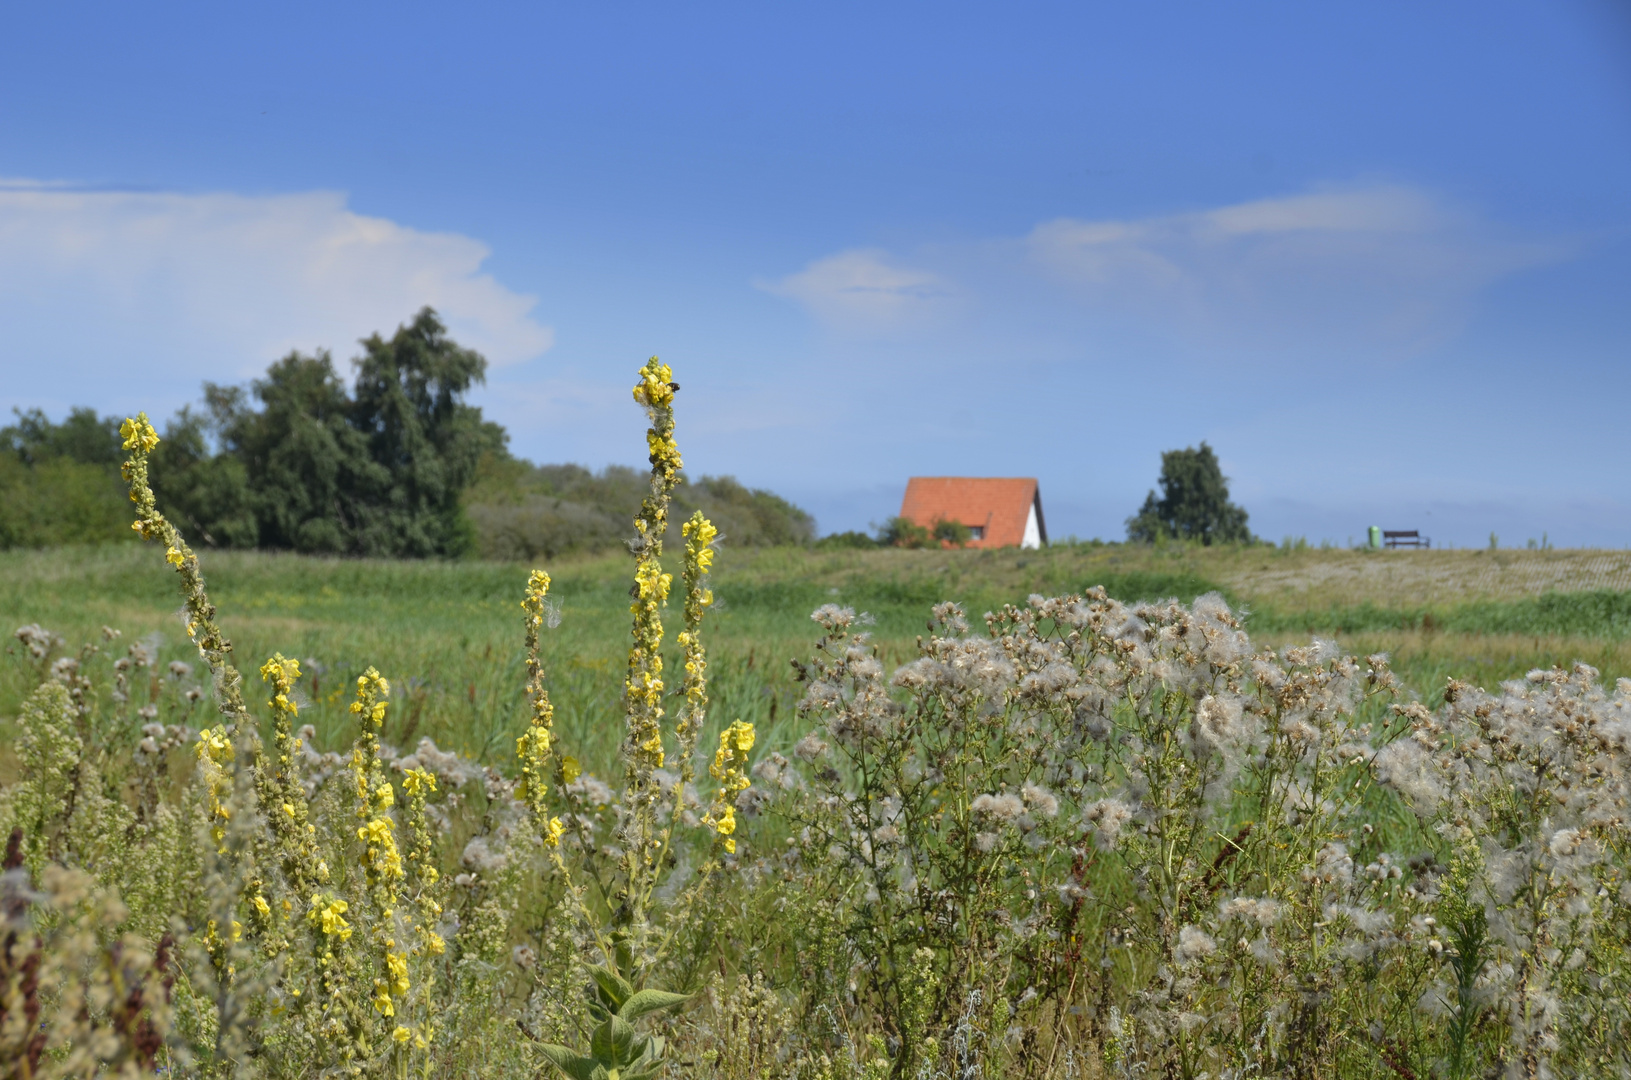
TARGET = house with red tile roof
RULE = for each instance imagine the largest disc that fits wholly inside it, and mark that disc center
(999, 512)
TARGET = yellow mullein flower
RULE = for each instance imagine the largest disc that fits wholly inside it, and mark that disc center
(380, 858)
(401, 1034)
(725, 826)
(700, 534)
(139, 434)
(730, 761)
(418, 782)
(214, 744)
(329, 917)
(652, 583)
(553, 832)
(280, 667)
(397, 965)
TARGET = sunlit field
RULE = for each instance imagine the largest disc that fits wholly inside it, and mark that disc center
(1167, 824)
(448, 633)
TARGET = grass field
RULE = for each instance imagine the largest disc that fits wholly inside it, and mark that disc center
(448, 635)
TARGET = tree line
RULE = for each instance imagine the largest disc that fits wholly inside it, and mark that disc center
(399, 464)
(396, 464)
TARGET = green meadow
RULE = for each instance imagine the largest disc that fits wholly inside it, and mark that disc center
(448, 634)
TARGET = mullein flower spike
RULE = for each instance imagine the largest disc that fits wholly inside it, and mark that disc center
(227, 759)
(375, 796)
(730, 769)
(643, 687)
(381, 861)
(214, 749)
(140, 439)
(532, 749)
(280, 789)
(699, 535)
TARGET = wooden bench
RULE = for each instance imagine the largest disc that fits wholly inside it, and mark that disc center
(1398, 538)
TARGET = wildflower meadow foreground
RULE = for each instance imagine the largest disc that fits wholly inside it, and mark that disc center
(1069, 839)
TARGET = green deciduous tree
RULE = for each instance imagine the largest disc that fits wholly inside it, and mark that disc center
(423, 441)
(377, 471)
(1194, 502)
(300, 455)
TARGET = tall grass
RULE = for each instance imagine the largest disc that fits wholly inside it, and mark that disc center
(445, 631)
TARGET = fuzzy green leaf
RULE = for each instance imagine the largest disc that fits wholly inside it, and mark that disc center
(613, 985)
(570, 1062)
(615, 1042)
(649, 1001)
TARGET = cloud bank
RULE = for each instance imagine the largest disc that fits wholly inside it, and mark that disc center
(218, 285)
(1387, 270)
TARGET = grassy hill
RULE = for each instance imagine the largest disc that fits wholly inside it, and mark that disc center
(448, 634)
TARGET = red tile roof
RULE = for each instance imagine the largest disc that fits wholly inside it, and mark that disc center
(998, 506)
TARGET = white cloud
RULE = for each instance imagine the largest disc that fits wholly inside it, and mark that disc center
(218, 285)
(1382, 268)
(862, 291)
(1372, 271)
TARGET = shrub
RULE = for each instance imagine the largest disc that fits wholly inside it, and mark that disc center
(846, 541)
(522, 511)
(903, 532)
(954, 533)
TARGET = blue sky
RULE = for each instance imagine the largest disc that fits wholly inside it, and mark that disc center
(1377, 254)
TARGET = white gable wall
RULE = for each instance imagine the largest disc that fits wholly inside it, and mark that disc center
(1033, 534)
